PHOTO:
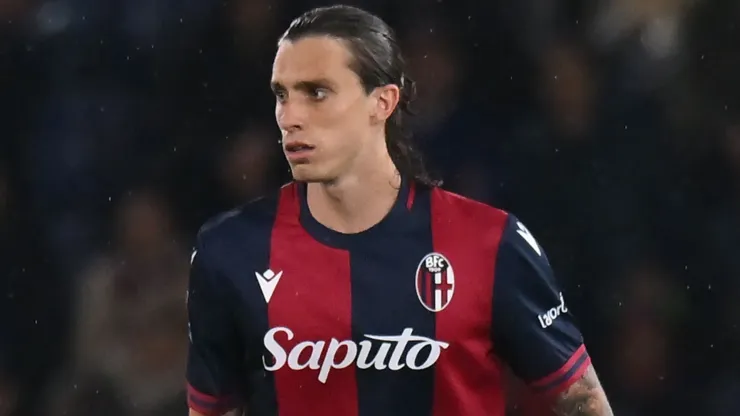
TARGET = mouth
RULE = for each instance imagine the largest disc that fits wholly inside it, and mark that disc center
(297, 147)
(297, 150)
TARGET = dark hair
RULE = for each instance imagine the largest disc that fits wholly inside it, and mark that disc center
(377, 62)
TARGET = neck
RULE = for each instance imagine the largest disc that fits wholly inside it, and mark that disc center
(358, 200)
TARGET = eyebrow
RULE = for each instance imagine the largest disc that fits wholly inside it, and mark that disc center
(305, 85)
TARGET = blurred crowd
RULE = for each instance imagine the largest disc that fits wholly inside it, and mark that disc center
(610, 127)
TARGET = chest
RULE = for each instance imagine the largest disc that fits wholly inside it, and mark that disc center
(387, 288)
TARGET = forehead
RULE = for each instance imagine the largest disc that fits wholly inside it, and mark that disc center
(310, 58)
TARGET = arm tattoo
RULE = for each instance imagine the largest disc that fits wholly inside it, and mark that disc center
(585, 397)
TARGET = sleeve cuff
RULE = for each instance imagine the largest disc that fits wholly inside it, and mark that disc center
(208, 405)
(563, 378)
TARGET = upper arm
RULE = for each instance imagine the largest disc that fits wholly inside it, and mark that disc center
(215, 355)
(534, 332)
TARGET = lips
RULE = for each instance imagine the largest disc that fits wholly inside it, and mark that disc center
(294, 147)
(298, 152)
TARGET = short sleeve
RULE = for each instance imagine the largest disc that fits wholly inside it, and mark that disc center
(533, 330)
(215, 363)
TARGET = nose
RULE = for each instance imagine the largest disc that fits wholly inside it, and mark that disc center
(289, 117)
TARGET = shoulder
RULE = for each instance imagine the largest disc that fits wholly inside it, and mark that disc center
(253, 212)
(238, 222)
(498, 228)
(467, 212)
(248, 225)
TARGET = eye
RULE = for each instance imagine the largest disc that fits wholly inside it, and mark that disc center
(319, 94)
(280, 95)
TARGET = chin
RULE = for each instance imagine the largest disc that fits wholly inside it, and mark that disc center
(308, 173)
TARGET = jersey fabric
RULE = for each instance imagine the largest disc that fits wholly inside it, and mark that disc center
(418, 315)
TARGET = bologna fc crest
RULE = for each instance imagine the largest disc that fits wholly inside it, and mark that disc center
(435, 282)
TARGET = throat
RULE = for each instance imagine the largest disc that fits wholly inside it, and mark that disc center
(352, 206)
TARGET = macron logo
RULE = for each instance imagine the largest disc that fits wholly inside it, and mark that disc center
(528, 237)
(268, 280)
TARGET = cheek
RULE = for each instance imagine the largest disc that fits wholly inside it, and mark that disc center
(339, 120)
(340, 125)
(336, 111)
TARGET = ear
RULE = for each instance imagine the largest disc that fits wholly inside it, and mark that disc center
(385, 102)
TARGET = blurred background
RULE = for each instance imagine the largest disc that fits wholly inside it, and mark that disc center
(610, 127)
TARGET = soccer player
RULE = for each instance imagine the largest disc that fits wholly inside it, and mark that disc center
(362, 288)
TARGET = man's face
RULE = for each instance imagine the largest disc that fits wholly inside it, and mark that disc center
(323, 112)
